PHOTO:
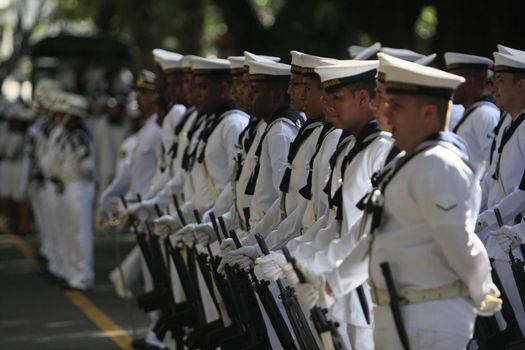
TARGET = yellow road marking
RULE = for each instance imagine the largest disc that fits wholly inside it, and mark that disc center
(99, 318)
(110, 328)
(22, 247)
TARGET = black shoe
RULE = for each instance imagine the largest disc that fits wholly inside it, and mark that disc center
(42, 260)
(52, 278)
(141, 344)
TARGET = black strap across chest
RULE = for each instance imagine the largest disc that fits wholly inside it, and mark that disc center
(368, 135)
(304, 133)
(283, 113)
(375, 203)
(507, 135)
(485, 100)
(306, 191)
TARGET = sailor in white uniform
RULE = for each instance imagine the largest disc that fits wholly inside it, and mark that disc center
(142, 169)
(417, 236)
(172, 91)
(49, 158)
(78, 176)
(144, 159)
(481, 114)
(214, 152)
(236, 215)
(508, 166)
(359, 154)
(285, 215)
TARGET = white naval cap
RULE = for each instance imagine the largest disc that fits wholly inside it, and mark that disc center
(58, 101)
(511, 51)
(210, 66)
(346, 72)
(456, 60)
(426, 60)
(167, 60)
(507, 63)
(42, 90)
(186, 62)
(368, 52)
(269, 71)
(310, 62)
(296, 62)
(236, 64)
(145, 81)
(251, 57)
(404, 54)
(403, 77)
(75, 105)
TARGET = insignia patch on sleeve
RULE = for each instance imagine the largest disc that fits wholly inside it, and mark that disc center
(446, 201)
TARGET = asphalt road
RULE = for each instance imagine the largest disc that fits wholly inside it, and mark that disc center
(36, 313)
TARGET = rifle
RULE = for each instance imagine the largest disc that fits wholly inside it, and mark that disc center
(246, 212)
(233, 336)
(322, 324)
(300, 325)
(270, 306)
(161, 298)
(512, 332)
(486, 328)
(250, 314)
(141, 239)
(394, 305)
(516, 265)
(190, 251)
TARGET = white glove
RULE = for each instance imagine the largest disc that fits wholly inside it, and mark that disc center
(507, 238)
(227, 260)
(491, 304)
(482, 220)
(307, 295)
(204, 233)
(243, 257)
(227, 245)
(185, 234)
(142, 210)
(242, 262)
(270, 267)
(313, 291)
(165, 225)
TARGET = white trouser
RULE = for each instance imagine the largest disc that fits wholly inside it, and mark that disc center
(386, 336)
(55, 223)
(79, 197)
(361, 338)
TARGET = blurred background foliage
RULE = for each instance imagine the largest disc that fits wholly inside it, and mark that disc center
(228, 27)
